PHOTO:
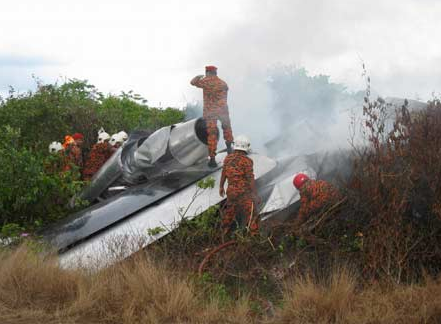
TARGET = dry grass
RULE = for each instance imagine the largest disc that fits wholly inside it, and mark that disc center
(340, 299)
(138, 291)
(306, 301)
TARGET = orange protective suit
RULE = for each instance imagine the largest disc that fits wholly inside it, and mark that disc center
(73, 156)
(99, 154)
(215, 93)
(315, 197)
(240, 206)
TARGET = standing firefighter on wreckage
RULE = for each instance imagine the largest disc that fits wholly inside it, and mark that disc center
(242, 198)
(316, 196)
(215, 93)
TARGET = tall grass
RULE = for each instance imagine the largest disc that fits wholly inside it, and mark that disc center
(135, 291)
(141, 291)
(340, 298)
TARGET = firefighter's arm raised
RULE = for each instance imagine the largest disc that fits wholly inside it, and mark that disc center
(197, 81)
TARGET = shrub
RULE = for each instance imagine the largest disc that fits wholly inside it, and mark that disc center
(391, 221)
(33, 191)
(77, 106)
(30, 195)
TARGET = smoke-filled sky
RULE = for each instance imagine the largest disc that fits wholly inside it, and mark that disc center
(155, 47)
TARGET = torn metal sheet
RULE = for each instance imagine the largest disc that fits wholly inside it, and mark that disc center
(169, 163)
(97, 217)
(129, 236)
(146, 158)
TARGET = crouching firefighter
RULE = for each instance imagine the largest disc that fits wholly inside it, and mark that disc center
(215, 93)
(316, 196)
(242, 199)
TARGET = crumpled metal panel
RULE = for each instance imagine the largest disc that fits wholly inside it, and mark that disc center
(108, 173)
(139, 158)
(145, 157)
(185, 145)
(279, 186)
(168, 149)
(282, 194)
(97, 217)
(129, 236)
(153, 148)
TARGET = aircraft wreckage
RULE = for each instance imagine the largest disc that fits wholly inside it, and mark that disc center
(151, 183)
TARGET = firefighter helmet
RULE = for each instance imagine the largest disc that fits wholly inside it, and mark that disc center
(123, 135)
(242, 143)
(299, 180)
(103, 136)
(55, 147)
(115, 139)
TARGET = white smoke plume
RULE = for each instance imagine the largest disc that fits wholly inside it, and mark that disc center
(325, 37)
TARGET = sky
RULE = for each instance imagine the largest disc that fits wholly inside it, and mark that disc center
(155, 47)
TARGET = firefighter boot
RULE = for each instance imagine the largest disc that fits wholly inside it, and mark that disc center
(229, 147)
(212, 163)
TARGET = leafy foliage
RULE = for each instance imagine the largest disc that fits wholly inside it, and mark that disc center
(34, 191)
(76, 106)
(31, 195)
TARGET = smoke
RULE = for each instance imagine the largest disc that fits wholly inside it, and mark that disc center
(312, 113)
(287, 111)
(272, 99)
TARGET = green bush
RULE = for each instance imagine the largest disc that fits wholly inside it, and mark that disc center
(31, 195)
(76, 106)
(33, 190)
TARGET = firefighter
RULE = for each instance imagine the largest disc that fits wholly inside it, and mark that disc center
(315, 196)
(55, 162)
(73, 152)
(99, 154)
(215, 92)
(242, 198)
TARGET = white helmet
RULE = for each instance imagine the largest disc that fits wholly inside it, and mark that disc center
(123, 135)
(55, 147)
(116, 138)
(103, 136)
(242, 143)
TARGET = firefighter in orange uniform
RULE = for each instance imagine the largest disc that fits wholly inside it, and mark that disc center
(242, 198)
(215, 92)
(72, 151)
(67, 141)
(99, 154)
(315, 196)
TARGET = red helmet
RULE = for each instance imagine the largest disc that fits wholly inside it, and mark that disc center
(78, 136)
(210, 68)
(299, 180)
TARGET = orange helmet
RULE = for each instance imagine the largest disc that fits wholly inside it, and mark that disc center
(68, 140)
(299, 180)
